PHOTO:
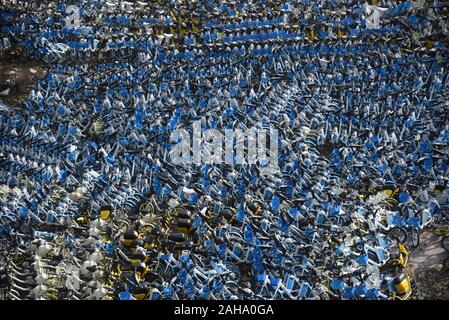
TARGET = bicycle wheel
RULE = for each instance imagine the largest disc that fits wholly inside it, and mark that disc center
(415, 238)
(397, 233)
(446, 213)
(446, 263)
(445, 243)
(443, 214)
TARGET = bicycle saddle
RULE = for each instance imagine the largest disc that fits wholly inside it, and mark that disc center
(183, 223)
(138, 256)
(177, 237)
(184, 214)
(139, 292)
(131, 234)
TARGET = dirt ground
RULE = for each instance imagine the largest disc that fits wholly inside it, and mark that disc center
(19, 78)
(426, 268)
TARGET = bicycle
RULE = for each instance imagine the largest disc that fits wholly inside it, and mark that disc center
(402, 258)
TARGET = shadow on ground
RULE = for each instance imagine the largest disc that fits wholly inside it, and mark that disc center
(426, 268)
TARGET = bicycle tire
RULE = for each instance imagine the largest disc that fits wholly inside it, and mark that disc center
(445, 243)
(443, 213)
(397, 233)
(415, 238)
(446, 263)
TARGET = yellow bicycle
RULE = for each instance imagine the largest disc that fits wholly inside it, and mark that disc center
(401, 282)
(402, 258)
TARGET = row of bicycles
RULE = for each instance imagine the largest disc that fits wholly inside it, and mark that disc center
(141, 251)
(94, 206)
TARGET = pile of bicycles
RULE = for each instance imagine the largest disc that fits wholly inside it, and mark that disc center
(101, 199)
